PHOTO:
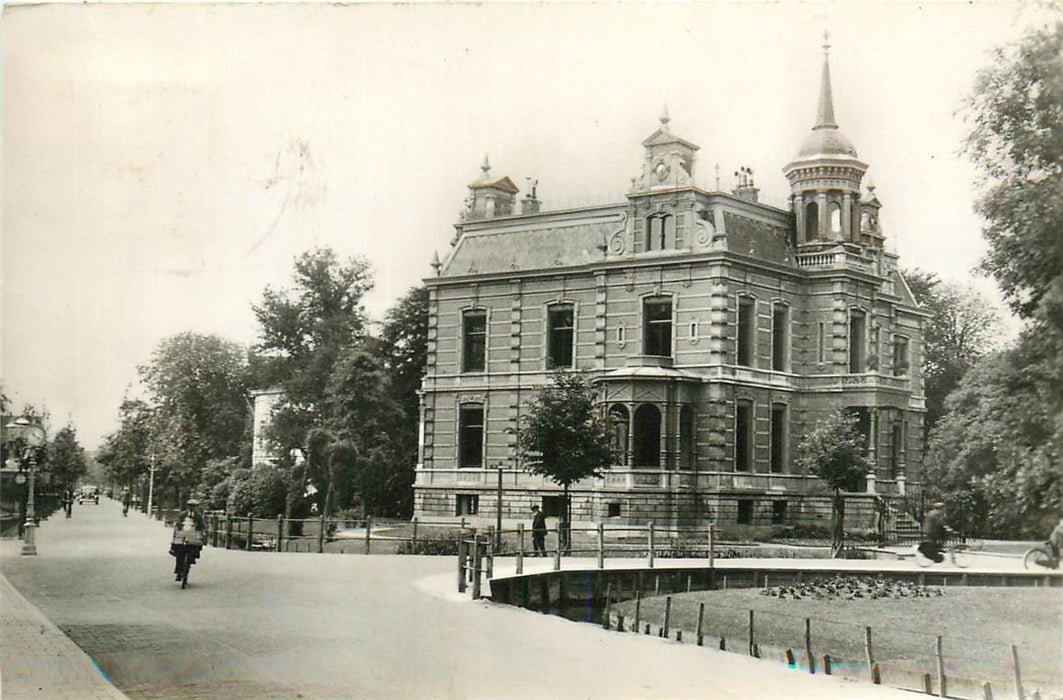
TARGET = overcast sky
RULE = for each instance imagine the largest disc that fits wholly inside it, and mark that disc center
(162, 164)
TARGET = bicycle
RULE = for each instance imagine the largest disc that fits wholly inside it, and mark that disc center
(1040, 558)
(956, 554)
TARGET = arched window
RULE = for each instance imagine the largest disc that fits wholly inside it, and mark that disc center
(811, 221)
(834, 210)
(647, 436)
(687, 451)
(619, 424)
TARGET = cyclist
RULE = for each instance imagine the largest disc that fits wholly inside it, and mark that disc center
(934, 533)
(1055, 540)
(189, 535)
(127, 498)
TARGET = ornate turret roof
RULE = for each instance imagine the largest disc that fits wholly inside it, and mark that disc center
(826, 139)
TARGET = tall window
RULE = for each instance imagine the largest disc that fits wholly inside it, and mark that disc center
(743, 436)
(471, 436)
(811, 221)
(474, 341)
(857, 341)
(687, 451)
(835, 213)
(746, 326)
(657, 331)
(647, 436)
(822, 346)
(618, 427)
(780, 338)
(560, 335)
(660, 232)
(895, 447)
(745, 511)
(778, 438)
(900, 356)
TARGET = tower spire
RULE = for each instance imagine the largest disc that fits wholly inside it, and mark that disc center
(664, 117)
(485, 167)
(825, 115)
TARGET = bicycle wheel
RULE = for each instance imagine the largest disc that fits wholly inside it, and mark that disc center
(184, 575)
(959, 557)
(920, 559)
(1038, 559)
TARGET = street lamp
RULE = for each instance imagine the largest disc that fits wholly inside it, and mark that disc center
(27, 438)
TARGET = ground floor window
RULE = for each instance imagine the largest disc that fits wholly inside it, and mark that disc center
(613, 510)
(553, 506)
(745, 511)
(778, 512)
(467, 504)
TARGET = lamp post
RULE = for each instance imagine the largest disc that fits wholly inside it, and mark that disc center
(27, 438)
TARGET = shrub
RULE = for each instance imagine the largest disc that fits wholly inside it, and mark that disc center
(442, 544)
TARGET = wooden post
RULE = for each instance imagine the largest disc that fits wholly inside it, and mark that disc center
(656, 585)
(490, 552)
(608, 604)
(475, 567)
(826, 664)
(1018, 675)
(250, 531)
(790, 659)
(808, 646)
(463, 555)
(321, 533)
(679, 636)
(520, 548)
(751, 643)
(280, 533)
(638, 609)
(414, 545)
(620, 622)
(601, 546)
(667, 616)
(942, 689)
(872, 667)
(557, 553)
(650, 529)
(712, 548)
(368, 533)
(701, 617)
(928, 684)
(228, 530)
(987, 691)
(723, 643)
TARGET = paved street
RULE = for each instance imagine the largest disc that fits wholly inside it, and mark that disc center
(305, 625)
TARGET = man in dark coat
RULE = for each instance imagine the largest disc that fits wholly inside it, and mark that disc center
(538, 532)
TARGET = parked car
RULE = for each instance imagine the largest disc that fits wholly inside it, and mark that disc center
(89, 494)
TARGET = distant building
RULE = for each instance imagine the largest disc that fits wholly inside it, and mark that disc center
(265, 400)
(717, 328)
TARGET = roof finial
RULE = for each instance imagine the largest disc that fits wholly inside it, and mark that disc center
(825, 115)
(485, 167)
(664, 117)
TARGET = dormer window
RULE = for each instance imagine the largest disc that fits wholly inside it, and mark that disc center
(660, 232)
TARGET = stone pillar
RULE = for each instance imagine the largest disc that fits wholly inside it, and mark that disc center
(847, 216)
(872, 450)
(630, 461)
(799, 216)
(824, 217)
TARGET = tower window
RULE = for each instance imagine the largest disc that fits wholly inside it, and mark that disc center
(857, 341)
(560, 320)
(471, 436)
(780, 338)
(743, 436)
(746, 318)
(474, 341)
(647, 436)
(811, 221)
(657, 331)
(835, 213)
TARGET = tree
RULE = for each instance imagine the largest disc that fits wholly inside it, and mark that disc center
(405, 341)
(961, 329)
(66, 458)
(1016, 140)
(126, 452)
(835, 451)
(198, 386)
(563, 435)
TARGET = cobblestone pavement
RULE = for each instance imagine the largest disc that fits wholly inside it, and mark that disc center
(266, 625)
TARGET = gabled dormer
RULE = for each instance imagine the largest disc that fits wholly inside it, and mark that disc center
(669, 160)
(490, 198)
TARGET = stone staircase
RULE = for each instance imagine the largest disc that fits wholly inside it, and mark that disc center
(901, 527)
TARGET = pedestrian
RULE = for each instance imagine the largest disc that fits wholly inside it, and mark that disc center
(68, 502)
(934, 533)
(127, 498)
(538, 532)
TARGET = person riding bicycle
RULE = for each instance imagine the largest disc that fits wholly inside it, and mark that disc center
(189, 535)
(934, 533)
(127, 498)
(1055, 540)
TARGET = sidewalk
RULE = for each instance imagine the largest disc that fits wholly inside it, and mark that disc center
(38, 661)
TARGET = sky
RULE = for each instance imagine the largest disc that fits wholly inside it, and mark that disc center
(164, 163)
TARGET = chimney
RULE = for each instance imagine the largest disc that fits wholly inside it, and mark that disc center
(530, 204)
(744, 187)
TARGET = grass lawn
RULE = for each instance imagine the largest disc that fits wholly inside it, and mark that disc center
(978, 626)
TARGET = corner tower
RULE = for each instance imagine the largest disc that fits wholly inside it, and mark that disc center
(825, 176)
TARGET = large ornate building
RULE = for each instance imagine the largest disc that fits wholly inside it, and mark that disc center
(718, 330)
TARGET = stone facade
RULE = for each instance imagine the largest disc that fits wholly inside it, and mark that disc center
(717, 329)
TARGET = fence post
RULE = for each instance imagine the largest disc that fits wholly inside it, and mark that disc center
(987, 691)
(667, 616)
(872, 667)
(1018, 676)
(280, 533)
(942, 690)
(701, 616)
(250, 529)
(520, 548)
(321, 534)
(228, 530)
(826, 664)
(476, 561)
(638, 609)
(608, 605)
(414, 534)
(557, 554)
(601, 546)
(808, 646)
(752, 645)
(650, 536)
(368, 533)
(490, 551)
(463, 555)
(712, 548)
